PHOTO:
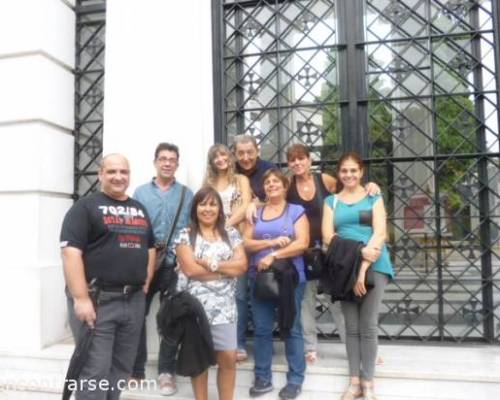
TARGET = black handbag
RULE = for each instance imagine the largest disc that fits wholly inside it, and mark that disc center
(268, 282)
(266, 286)
(314, 260)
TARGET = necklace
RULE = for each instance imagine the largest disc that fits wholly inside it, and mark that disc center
(307, 185)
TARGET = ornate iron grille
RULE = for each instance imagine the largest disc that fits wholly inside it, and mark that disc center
(279, 70)
(413, 86)
(89, 93)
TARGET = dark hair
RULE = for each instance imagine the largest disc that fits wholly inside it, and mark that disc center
(241, 139)
(207, 192)
(278, 174)
(352, 155)
(168, 147)
(297, 150)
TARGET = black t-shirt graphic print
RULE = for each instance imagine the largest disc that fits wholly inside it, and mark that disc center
(114, 236)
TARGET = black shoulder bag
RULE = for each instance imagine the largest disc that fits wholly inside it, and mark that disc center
(314, 258)
(165, 277)
(162, 262)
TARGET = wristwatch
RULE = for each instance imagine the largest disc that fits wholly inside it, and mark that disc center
(214, 265)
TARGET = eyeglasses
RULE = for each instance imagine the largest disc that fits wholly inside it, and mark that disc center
(165, 160)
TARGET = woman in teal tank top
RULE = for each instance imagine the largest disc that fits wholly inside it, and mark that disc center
(354, 221)
(352, 214)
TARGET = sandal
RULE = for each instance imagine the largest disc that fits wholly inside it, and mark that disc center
(368, 393)
(352, 392)
(311, 356)
(241, 355)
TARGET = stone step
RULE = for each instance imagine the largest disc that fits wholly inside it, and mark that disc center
(409, 372)
(387, 388)
(240, 394)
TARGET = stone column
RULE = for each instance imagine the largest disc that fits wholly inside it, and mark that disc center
(158, 84)
(37, 53)
(159, 88)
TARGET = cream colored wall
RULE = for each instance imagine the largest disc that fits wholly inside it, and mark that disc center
(37, 55)
(158, 87)
(158, 84)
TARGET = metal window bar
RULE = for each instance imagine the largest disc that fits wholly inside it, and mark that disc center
(89, 93)
(442, 90)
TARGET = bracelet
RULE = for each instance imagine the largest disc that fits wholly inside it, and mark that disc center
(273, 253)
(214, 265)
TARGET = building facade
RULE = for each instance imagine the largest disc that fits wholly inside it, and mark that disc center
(412, 85)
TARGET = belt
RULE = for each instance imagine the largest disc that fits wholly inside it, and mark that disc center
(123, 289)
(160, 246)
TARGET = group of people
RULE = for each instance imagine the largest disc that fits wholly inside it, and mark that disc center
(248, 217)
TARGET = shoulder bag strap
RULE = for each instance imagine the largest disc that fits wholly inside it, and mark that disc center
(317, 194)
(334, 206)
(172, 228)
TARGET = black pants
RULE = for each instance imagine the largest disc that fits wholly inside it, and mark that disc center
(164, 281)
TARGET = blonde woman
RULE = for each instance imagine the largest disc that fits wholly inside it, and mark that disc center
(233, 188)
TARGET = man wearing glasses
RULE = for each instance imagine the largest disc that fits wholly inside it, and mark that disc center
(162, 197)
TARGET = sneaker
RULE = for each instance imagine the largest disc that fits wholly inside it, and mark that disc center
(168, 387)
(134, 381)
(311, 356)
(290, 391)
(241, 355)
(260, 387)
(137, 376)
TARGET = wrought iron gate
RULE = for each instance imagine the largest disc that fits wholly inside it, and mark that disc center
(89, 93)
(413, 86)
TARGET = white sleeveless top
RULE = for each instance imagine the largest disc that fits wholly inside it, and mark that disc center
(228, 196)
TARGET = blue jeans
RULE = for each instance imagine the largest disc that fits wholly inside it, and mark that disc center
(242, 307)
(263, 319)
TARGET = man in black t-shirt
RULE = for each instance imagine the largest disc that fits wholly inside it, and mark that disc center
(107, 237)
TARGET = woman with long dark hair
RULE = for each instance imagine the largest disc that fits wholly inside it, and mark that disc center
(211, 257)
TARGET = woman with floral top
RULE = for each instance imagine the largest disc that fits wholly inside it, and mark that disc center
(211, 257)
(236, 194)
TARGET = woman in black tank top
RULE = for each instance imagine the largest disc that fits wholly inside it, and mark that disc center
(308, 189)
(313, 205)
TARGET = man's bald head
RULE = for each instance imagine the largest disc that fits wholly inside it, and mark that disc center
(114, 175)
(112, 157)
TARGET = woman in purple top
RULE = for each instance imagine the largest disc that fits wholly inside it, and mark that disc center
(281, 230)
